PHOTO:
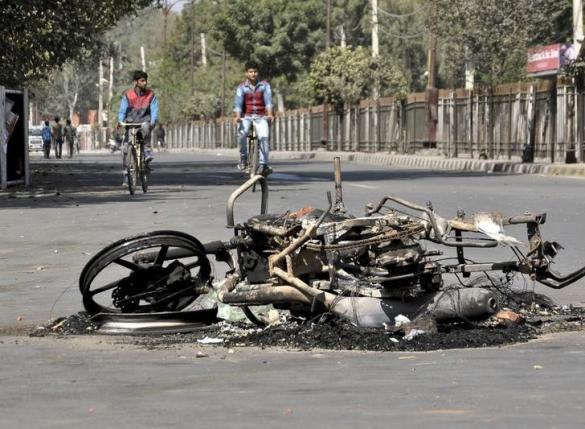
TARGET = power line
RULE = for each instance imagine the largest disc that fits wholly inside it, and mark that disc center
(406, 15)
(404, 36)
(213, 51)
(394, 15)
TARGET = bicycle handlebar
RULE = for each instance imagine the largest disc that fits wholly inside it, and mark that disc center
(267, 118)
(132, 125)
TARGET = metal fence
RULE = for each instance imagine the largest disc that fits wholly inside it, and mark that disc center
(496, 124)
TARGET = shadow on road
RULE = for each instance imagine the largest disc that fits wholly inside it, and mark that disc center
(91, 179)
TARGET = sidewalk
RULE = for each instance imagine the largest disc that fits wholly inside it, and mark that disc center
(423, 162)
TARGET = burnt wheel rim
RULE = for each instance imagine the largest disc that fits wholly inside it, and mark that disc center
(113, 282)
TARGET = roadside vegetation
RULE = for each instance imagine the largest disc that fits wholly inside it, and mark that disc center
(193, 51)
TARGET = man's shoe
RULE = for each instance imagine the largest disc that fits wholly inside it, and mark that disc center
(264, 170)
(243, 166)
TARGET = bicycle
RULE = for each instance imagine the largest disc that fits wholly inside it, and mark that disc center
(136, 165)
(253, 151)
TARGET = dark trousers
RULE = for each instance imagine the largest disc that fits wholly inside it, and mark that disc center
(70, 147)
(58, 148)
(47, 148)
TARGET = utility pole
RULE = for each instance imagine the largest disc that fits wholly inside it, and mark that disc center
(431, 83)
(203, 51)
(142, 58)
(328, 24)
(325, 129)
(111, 85)
(166, 10)
(575, 151)
(432, 95)
(100, 96)
(578, 24)
(342, 41)
(119, 54)
(376, 86)
(375, 43)
(223, 71)
(192, 59)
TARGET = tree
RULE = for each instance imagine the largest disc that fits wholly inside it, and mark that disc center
(351, 22)
(202, 105)
(281, 35)
(66, 91)
(55, 94)
(403, 35)
(39, 35)
(493, 35)
(346, 75)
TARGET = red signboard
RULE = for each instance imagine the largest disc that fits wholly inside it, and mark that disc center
(547, 60)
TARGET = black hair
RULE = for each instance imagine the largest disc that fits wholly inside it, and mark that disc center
(68, 121)
(47, 123)
(251, 65)
(57, 119)
(139, 74)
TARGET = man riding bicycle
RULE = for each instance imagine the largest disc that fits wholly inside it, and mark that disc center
(138, 106)
(253, 104)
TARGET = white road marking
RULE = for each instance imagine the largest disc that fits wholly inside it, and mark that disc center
(359, 185)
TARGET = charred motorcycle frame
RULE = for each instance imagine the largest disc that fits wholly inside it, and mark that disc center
(364, 269)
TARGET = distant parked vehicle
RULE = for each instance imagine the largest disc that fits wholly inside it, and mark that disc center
(35, 141)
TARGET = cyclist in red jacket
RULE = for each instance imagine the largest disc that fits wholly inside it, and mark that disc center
(253, 103)
(139, 106)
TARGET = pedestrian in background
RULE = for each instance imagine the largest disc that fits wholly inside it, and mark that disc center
(70, 133)
(47, 137)
(160, 134)
(58, 137)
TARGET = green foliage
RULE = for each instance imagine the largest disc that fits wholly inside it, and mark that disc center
(287, 37)
(39, 35)
(346, 75)
(350, 18)
(404, 37)
(55, 94)
(390, 80)
(68, 89)
(493, 35)
(201, 105)
(575, 69)
(281, 35)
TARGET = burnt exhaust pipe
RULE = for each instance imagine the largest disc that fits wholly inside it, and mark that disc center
(367, 312)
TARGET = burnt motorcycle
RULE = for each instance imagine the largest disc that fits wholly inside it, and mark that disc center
(365, 269)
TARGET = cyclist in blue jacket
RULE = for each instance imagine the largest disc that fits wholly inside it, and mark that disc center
(253, 103)
(139, 106)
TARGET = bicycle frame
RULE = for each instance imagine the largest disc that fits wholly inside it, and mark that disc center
(253, 150)
(136, 148)
(253, 144)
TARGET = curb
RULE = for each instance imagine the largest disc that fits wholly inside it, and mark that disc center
(411, 161)
(426, 162)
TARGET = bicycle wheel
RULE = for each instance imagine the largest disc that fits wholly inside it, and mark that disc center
(144, 170)
(116, 280)
(131, 169)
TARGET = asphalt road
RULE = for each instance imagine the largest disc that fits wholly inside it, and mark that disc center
(76, 207)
